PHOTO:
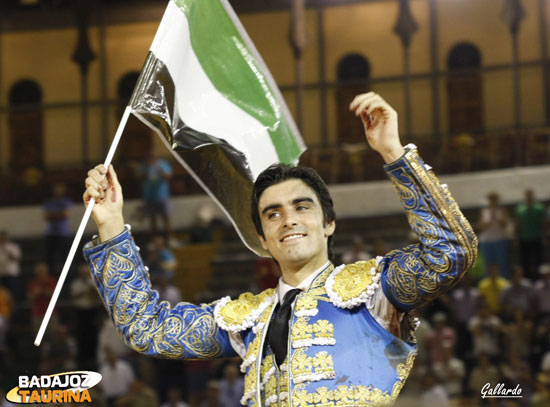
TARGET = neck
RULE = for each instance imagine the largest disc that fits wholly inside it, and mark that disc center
(294, 274)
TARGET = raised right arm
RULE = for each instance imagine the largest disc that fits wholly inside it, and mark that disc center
(146, 324)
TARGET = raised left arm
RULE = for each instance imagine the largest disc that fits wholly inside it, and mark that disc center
(447, 245)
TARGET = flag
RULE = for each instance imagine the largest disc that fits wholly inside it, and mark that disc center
(206, 92)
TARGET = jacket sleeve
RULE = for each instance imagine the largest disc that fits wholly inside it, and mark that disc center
(146, 324)
(447, 245)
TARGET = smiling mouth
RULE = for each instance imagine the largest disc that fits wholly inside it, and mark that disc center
(293, 236)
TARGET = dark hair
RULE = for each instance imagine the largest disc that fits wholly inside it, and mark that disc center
(277, 173)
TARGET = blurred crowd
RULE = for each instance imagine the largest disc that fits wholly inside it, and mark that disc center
(492, 328)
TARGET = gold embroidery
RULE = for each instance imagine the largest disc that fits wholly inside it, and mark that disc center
(283, 384)
(237, 311)
(305, 303)
(354, 279)
(318, 284)
(323, 329)
(342, 396)
(449, 241)
(250, 382)
(266, 366)
(271, 387)
(116, 264)
(128, 303)
(318, 367)
(148, 325)
(200, 336)
(362, 396)
(301, 330)
(403, 369)
(252, 350)
(304, 334)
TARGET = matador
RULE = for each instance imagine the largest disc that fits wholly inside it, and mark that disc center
(350, 339)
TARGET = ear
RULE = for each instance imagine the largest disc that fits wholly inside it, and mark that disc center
(263, 242)
(330, 228)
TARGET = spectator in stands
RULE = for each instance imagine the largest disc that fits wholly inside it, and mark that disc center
(10, 256)
(494, 235)
(161, 259)
(530, 223)
(156, 174)
(492, 287)
(174, 399)
(441, 334)
(485, 328)
(482, 374)
(87, 306)
(117, 377)
(167, 291)
(542, 292)
(464, 300)
(6, 304)
(231, 386)
(517, 334)
(140, 395)
(212, 395)
(58, 228)
(357, 252)
(39, 293)
(434, 394)
(519, 295)
(450, 371)
(109, 338)
(422, 331)
(59, 352)
(515, 371)
(171, 374)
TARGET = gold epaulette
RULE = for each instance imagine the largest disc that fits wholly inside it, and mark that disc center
(350, 285)
(242, 313)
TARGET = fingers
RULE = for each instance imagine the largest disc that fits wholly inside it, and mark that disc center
(113, 178)
(96, 184)
(369, 103)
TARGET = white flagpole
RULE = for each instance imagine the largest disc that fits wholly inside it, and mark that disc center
(80, 232)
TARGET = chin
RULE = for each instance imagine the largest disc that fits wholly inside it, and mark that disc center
(296, 258)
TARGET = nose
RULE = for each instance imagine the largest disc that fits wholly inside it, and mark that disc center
(289, 221)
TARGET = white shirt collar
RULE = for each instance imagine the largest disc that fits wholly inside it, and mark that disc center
(283, 287)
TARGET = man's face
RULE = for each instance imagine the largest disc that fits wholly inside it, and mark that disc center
(292, 222)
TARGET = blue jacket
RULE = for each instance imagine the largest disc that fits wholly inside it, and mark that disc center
(339, 355)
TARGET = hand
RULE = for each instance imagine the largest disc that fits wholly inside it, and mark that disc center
(380, 123)
(103, 186)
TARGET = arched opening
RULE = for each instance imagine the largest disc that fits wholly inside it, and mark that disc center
(26, 127)
(465, 89)
(353, 72)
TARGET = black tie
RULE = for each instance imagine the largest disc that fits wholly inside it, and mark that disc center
(277, 334)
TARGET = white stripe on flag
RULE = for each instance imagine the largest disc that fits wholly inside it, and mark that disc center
(198, 101)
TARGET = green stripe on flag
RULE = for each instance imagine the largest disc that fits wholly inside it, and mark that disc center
(233, 70)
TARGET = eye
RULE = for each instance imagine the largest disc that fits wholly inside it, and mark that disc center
(302, 207)
(273, 215)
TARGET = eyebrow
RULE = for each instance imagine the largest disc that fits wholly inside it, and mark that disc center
(294, 202)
